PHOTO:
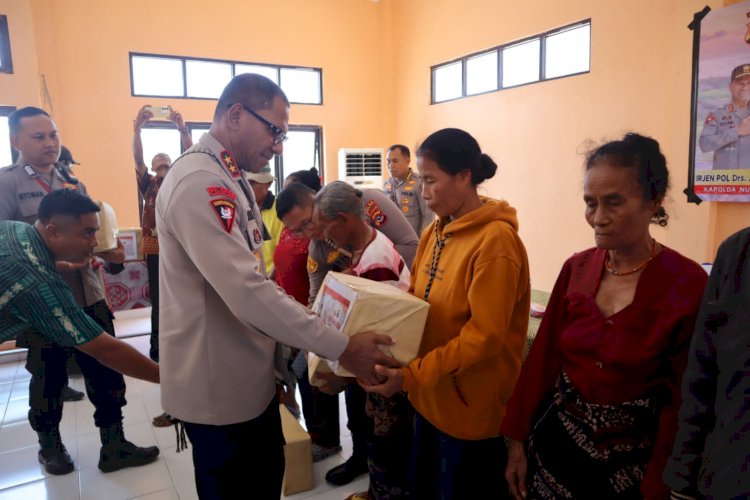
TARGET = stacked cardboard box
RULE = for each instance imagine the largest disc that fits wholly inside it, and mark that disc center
(353, 305)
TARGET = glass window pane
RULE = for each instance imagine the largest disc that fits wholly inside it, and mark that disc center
(481, 73)
(301, 85)
(300, 152)
(197, 132)
(567, 52)
(267, 71)
(447, 82)
(207, 78)
(5, 151)
(160, 140)
(521, 63)
(6, 63)
(157, 76)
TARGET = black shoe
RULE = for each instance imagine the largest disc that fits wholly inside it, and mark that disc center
(348, 471)
(56, 460)
(119, 455)
(69, 394)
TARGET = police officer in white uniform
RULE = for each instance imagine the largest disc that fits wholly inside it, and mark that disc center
(404, 187)
(726, 131)
(220, 315)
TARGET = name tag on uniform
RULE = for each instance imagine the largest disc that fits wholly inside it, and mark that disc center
(30, 195)
(254, 234)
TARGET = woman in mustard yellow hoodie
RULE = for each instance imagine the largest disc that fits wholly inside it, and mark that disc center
(471, 266)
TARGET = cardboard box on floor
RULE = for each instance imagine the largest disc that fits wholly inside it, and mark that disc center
(298, 472)
(353, 305)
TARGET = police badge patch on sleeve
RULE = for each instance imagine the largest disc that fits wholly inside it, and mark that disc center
(312, 265)
(225, 211)
(376, 215)
(221, 191)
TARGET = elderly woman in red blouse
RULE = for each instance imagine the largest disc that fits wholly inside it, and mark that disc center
(593, 414)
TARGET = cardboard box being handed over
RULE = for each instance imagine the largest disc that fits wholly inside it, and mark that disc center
(353, 305)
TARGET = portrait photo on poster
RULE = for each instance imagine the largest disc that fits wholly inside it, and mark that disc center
(720, 169)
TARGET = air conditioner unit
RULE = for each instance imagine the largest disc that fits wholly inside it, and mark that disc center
(362, 168)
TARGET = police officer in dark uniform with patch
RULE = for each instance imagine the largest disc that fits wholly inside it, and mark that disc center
(726, 130)
(404, 187)
(22, 187)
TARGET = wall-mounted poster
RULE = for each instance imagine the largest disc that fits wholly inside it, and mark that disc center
(721, 111)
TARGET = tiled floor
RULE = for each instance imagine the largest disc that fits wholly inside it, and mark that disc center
(169, 478)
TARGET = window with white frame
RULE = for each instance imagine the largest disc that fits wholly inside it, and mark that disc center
(447, 82)
(154, 75)
(557, 53)
(567, 51)
(197, 130)
(521, 63)
(6, 61)
(301, 85)
(270, 72)
(206, 78)
(6, 150)
(481, 73)
(157, 76)
(160, 138)
(302, 151)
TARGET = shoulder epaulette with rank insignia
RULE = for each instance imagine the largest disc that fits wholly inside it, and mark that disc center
(228, 163)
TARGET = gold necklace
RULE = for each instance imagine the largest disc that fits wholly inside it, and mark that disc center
(614, 272)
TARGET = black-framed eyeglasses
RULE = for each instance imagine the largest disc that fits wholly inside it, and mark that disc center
(278, 135)
(300, 230)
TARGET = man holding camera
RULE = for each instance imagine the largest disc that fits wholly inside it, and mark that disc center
(148, 187)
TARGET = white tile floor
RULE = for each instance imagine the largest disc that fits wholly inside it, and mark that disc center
(169, 478)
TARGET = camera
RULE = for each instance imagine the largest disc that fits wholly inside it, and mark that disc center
(162, 112)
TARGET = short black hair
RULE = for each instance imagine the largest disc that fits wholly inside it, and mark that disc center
(251, 90)
(404, 150)
(66, 202)
(643, 155)
(310, 178)
(14, 120)
(294, 195)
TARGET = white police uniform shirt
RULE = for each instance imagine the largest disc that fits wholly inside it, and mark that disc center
(407, 195)
(720, 136)
(219, 314)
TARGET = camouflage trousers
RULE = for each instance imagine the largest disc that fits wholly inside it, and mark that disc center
(389, 447)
